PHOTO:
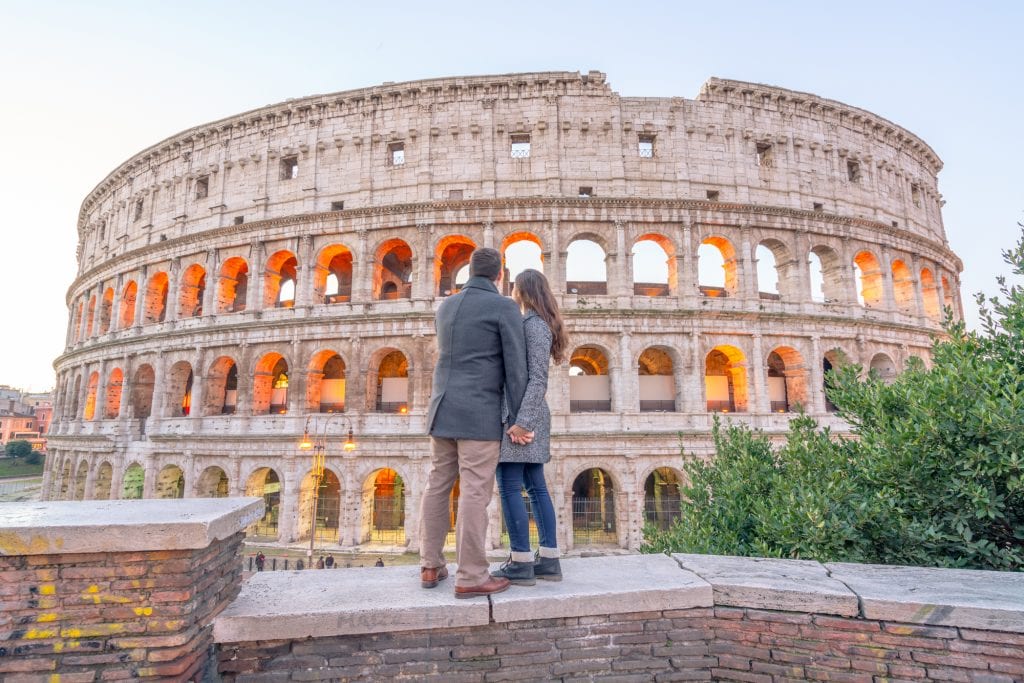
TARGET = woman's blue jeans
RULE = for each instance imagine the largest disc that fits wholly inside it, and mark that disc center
(513, 477)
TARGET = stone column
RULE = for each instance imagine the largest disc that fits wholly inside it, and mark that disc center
(173, 275)
(140, 296)
(749, 286)
(697, 370)
(257, 275)
(687, 273)
(555, 262)
(918, 293)
(291, 483)
(626, 391)
(758, 370)
(849, 271)
(816, 373)
(620, 281)
(124, 410)
(888, 293)
(212, 282)
(489, 234)
(304, 273)
(362, 269)
(423, 264)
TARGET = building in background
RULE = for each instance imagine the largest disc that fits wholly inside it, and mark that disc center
(25, 416)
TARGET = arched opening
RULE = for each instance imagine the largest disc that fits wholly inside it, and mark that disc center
(717, 275)
(586, 268)
(190, 294)
(520, 250)
(279, 280)
(90, 316)
(142, 392)
(826, 270)
(392, 271)
(325, 385)
(883, 367)
(233, 285)
(65, 480)
(590, 389)
(384, 508)
(80, 478)
(328, 507)
(787, 380)
(833, 359)
(155, 304)
(134, 482)
(393, 384)
(90, 397)
(593, 509)
(947, 296)
(776, 271)
(179, 389)
(106, 309)
(126, 314)
(265, 483)
(212, 483)
(663, 498)
(221, 393)
(270, 386)
(451, 260)
(869, 279)
(654, 266)
(725, 380)
(104, 479)
(903, 286)
(657, 381)
(930, 294)
(170, 483)
(333, 274)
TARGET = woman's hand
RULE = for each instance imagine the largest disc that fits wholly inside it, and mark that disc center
(519, 436)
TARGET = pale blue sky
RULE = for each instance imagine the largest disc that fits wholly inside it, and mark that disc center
(86, 85)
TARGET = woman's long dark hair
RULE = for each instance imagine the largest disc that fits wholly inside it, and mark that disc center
(533, 293)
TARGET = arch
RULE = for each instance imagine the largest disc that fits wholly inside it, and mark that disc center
(220, 395)
(869, 278)
(155, 304)
(520, 250)
(212, 483)
(827, 274)
(325, 383)
(179, 389)
(106, 310)
(383, 508)
(776, 270)
(81, 476)
(90, 317)
(126, 314)
(90, 397)
(903, 286)
(270, 385)
(883, 367)
(265, 483)
(233, 285)
(279, 280)
(787, 380)
(392, 270)
(657, 380)
(663, 499)
(332, 277)
(586, 266)
(142, 391)
(392, 383)
(104, 480)
(593, 508)
(170, 483)
(834, 358)
(191, 291)
(134, 482)
(717, 274)
(450, 257)
(589, 382)
(654, 266)
(725, 380)
(930, 295)
(328, 507)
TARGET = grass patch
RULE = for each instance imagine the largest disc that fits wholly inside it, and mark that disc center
(17, 467)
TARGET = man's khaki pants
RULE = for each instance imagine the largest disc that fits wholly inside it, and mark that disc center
(474, 463)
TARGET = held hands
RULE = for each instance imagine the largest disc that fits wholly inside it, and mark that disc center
(519, 436)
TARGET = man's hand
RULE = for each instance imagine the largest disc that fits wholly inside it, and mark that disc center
(519, 435)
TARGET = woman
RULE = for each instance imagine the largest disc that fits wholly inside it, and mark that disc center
(521, 464)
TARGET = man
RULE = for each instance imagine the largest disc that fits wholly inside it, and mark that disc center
(482, 356)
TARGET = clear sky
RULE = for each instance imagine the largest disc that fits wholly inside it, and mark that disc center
(86, 85)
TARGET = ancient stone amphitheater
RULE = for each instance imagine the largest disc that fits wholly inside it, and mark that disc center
(275, 273)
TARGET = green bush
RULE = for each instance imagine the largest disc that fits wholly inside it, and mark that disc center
(18, 448)
(933, 476)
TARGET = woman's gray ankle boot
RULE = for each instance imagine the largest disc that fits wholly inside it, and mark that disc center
(548, 569)
(519, 573)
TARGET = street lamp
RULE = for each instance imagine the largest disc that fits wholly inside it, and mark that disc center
(318, 444)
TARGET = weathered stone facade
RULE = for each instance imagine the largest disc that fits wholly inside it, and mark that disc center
(246, 274)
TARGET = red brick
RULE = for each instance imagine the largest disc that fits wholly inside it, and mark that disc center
(992, 636)
(778, 617)
(730, 675)
(846, 624)
(918, 630)
(966, 661)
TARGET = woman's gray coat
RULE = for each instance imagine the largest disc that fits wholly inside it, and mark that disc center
(534, 414)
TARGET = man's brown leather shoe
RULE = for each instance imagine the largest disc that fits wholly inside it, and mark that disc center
(430, 576)
(494, 585)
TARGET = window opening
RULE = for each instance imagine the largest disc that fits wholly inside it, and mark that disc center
(202, 187)
(586, 191)
(138, 209)
(713, 195)
(853, 171)
(764, 154)
(337, 206)
(645, 146)
(520, 146)
(289, 168)
(396, 153)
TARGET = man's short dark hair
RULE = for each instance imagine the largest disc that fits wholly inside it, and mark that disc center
(485, 262)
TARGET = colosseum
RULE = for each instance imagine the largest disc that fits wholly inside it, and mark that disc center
(273, 276)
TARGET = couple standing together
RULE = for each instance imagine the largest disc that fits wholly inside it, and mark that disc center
(488, 416)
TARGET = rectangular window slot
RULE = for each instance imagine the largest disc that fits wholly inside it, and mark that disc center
(915, 195)
(764, 154)
(396, 153)
(586, 191)
(520, 146)
(895, 224)
(818, 206)
(203, 187)
(337, 206)
(239, 220)
(289, 168)
(853, 171)
(138, 209)
(454, 195)
(645, 146)
(713, 195)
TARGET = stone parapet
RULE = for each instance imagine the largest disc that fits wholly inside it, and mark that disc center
(112, 590)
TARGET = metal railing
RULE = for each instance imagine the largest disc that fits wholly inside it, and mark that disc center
(401, 407)
(388, 521)
(721, 407)
(663, 512)
(659, 406)
(332, 408)
(780, 406)
(593, 522)
(590, 406)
